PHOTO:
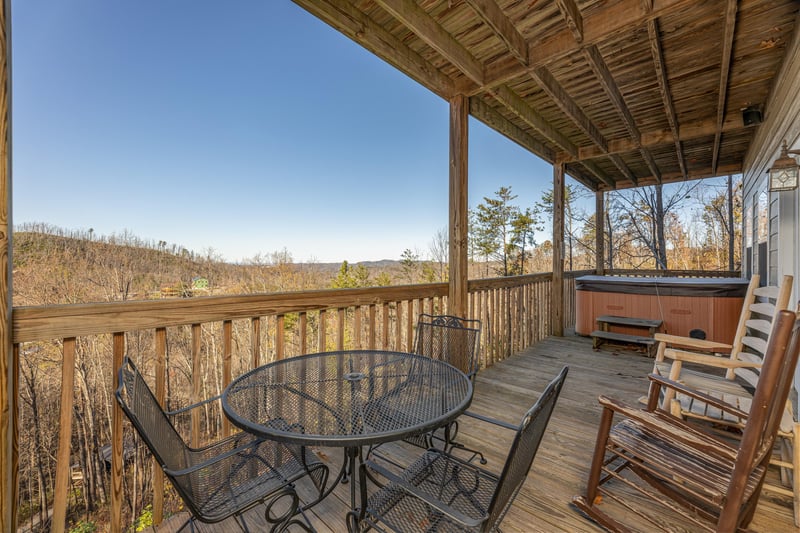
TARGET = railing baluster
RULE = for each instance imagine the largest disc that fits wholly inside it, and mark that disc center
(323, 340)
(227, 349)
(279, 338)
(373, 312)
(255, 342)
(118, 352)
(340, 318)
(385, 329)
(161, 395)
(64, 437)
(303, 332)
(196, 382)
(410, 326)
(357, 327)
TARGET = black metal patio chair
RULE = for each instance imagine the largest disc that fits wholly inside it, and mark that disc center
(440, 492)
(456, 341)
(225, 478)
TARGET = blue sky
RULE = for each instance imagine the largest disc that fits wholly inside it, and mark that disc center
(243, 127)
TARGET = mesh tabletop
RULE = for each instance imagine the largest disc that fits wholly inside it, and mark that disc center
(349, 398)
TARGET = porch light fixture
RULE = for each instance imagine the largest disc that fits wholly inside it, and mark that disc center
(784, 171)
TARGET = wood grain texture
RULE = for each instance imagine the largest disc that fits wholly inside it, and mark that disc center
(557, 304)
(118, 352)
(459, 207)
(8, 355)
(63, 463)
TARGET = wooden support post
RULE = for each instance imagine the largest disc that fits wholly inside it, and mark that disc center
(459, 143)
(600, 234)
(557, 302)
(9, 356)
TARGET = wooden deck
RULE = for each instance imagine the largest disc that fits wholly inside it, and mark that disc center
(505, 391)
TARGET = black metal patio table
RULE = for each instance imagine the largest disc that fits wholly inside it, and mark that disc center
(347, 399)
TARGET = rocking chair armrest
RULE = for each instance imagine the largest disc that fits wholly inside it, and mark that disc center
(192, 406)
(661, 381)
(492, 421)
(708, 360)
(442, 507)
(700, 344)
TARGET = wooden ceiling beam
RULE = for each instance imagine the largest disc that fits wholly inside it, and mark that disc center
(495, 120)
(345, 18)
(727, 53)
(655, 139)
(572, 15)
(492, 15)
(517, 105)
(427, 29)
(663, 87)
(564, 101)
(598, 25)
(603, 75)
(622, 167)
(671, 177)
(597, 171)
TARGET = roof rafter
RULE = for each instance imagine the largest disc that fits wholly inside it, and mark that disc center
(663, 87)
(572, 15)
(598, 25)
(592, 167)
(345, 18)
(491, 13)
(564, 101)
(727, 53)
(603, 74)
(427, 29)
(654, 139)
(492, 118)
(516, 104)
(545, 79)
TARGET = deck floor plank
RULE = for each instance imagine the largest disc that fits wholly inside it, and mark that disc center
(505, 391)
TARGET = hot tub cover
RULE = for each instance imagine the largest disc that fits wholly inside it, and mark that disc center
(719, 287)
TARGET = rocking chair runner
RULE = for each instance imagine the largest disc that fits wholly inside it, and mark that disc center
(713, 483)
(227, 477)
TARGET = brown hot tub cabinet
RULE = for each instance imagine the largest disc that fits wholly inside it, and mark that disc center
(712, 305)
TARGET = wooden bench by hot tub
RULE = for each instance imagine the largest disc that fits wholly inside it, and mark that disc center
(603, 334)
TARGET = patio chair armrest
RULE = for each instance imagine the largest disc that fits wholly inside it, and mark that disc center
(489, 420)
(415, 492)
(708, 360)
(192, 406)
(661, 381)
(700, 344)
(228, 453)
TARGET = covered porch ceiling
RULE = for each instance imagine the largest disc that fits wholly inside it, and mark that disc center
(623, 92)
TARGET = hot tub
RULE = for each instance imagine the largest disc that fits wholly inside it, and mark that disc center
(712, 305)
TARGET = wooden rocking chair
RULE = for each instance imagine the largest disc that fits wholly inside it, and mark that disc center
(741, 376)
(714, 484)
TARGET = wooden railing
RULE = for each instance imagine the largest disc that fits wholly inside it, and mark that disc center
(263, 327)
(237, 333)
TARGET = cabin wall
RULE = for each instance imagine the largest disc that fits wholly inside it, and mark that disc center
(779, 252)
